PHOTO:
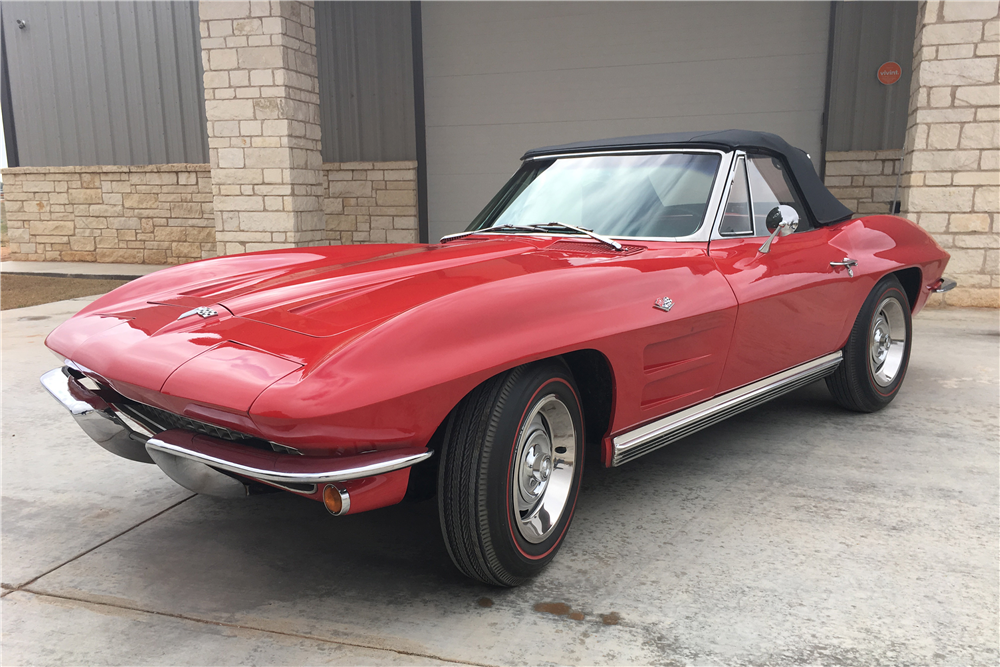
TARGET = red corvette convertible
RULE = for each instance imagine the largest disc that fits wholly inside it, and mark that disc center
(614, 297)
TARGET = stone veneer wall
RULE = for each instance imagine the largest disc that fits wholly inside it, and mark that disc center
(371, 202)
(951, 173)
(163, 214)
(157, 214)
(864, 181)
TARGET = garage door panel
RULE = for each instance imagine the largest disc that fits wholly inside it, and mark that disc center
(465, 182)
(500, 78)
(474, 38)
(636, 91)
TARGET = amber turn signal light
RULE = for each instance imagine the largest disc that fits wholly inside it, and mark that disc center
(337, 501)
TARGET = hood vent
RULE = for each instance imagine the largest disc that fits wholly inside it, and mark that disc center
(593, 248)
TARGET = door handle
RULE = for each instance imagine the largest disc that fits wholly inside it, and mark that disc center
(848, 263)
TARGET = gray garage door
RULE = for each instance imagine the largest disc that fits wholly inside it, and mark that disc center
(504, 77)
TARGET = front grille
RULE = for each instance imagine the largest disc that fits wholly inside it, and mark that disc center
(162, 420)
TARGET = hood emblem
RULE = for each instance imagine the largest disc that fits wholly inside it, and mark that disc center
(664, 304)
(204, 311)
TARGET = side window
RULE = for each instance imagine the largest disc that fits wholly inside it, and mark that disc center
(770, 186)
(736, 217)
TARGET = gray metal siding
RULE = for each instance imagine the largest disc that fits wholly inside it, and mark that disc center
(106, 82)
(865, 114)
(504, 77)
(365, 59)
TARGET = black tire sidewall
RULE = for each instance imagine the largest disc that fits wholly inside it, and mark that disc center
(872, 392)
(518, 556)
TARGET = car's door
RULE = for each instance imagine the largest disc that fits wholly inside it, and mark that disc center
(792, 299)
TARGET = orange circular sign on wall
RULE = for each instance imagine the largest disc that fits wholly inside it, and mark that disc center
(889, 73)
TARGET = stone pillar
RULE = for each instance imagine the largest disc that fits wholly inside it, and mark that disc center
(951, 168)
(262, 108)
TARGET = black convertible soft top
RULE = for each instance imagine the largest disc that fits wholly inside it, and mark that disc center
(825, 208)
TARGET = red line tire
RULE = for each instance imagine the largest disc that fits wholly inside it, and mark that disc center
(513, 441)
(875, 360)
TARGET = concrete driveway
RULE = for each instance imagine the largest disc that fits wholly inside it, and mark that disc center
(795, 533)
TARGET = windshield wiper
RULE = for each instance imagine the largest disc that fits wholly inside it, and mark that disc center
(594, 235)
(534, 228)
(498, 228)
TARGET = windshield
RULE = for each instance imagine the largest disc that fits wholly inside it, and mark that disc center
(664, 195)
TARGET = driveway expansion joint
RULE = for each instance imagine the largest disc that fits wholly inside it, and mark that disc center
(237, 626)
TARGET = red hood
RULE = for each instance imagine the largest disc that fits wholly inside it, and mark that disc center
(322, 297)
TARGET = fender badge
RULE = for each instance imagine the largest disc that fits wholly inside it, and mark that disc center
(664, 304)
(204, 311)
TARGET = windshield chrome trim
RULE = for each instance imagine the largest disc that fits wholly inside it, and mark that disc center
(619, 151)
(704, 232)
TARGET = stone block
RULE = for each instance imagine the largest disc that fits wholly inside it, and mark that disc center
(201, 234)
(222, 59)
(38, 186)
(261, 57)
(396, 198)
(119, 256)
(955, 51)
(985, 241)
(854, 167)
(229, 109)
(977, 178)
(88, 196)
(952, 33)
(350, 189)
(970, 11)
(988, 199)
(943, 199)
(90, 181)
(82, 243)
(938, 178)
(969, 222)
(966, 260)
(954, 115)
(186, 250)
(77, 256)
(146, 201)
(272, 158)
(944, 160)
(981, 135)
(964, 72)
(222, 9)
(943, 136)
(124, 223)
(230, 158)
(400, 236)
(51, 227)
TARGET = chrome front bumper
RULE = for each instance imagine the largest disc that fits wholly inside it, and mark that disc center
(209, 465)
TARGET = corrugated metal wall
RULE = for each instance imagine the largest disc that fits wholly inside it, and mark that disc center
(866, 115)
(106, 82)
(365, 58)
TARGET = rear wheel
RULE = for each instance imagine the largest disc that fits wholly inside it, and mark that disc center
(878, 351)
(512, 460)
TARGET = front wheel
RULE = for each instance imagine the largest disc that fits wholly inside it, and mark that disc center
(878, 351)
(511, 465)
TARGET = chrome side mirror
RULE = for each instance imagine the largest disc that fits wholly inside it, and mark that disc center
(784, 220)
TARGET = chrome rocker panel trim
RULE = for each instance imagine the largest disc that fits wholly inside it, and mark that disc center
(633, 444)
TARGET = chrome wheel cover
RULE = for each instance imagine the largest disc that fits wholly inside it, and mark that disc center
(544, 465)
(887, 342)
